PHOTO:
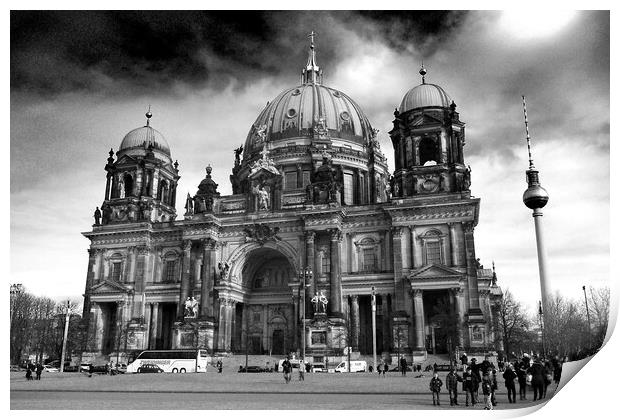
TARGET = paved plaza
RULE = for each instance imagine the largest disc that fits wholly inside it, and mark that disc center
(231, 390)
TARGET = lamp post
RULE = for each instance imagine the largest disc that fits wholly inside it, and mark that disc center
(64, 339)
(542, 327)
(535, 198)
(585, 297)
(304, 276)
(374, 328)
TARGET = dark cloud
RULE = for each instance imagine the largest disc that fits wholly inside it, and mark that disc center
(127, 52)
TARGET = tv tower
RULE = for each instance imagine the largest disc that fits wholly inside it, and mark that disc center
(535, 198)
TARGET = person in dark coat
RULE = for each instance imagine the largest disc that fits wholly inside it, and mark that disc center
(39, 370)
(452, 381)
(286, 370)
(487, 390)
(403, 366)
(509, 378)
(470, 384)
(28, 372)
(464, 359)
(485, 365)
(435, 387)
(475, 371)
(537, 370)
(548, 373)
(522, 378)
(557, 370)
(493, 375)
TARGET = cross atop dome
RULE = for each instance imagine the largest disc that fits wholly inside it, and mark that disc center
(312, 73)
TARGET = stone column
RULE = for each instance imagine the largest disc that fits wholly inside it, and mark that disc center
(265, 328)
(415, 263)
(187, 249)
(107, 186)
(221, 329)
(386, 322)
(229, 323)
(453, 245)
(196, 276)
(460, 313)
(131, 276)
(310, 235)
(296, 316)
(335, 287)
(355, 322)
(206, 289)
(418, 305)
(155, 327)
(472, 275)
(399, 294)
(90, 274)
(244, 326)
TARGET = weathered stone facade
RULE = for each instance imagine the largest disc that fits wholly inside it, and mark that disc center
(312, 198)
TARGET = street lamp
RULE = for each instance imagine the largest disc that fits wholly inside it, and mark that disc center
(64, 339)
(305, 275)
(542, 327)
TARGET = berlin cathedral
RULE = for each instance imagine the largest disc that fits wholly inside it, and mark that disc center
(317, 236)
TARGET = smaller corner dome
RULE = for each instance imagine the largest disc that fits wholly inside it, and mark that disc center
(425, 95)
(144, 137)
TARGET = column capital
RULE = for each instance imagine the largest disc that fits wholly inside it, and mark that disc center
(354, 298)
(456, 291)
(309, 235)
(468, 227)
(416, 293)
(208, 244)
(335, 235)
(131, 249)
(397, 231)
(92, 252)
(187, 245)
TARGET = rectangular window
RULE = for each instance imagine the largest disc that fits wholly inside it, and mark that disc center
(433, 252)
(170, 271)
(290, 180)
(369, 259)
(116, 271)
(305, 178)
(325, 265)
(348, 189)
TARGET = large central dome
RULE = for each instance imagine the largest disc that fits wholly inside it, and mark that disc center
(294, 112)
(297, 112)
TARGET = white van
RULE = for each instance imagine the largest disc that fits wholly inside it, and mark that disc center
(356, 366)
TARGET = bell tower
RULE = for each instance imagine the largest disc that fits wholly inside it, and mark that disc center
(428, 139)
(141, 184)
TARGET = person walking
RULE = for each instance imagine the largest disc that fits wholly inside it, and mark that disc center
(301, 369)
(470, 384)
(493, 376)
(509, 379)
(39, 370)
(548, 375)
(28, 372)
(537, 370)
(403, 366)
(435, 387)
(487, 389)
(522, 378)
(219, 366)
(464, 359)
(380, 367)
(452, 381)
(286, 370)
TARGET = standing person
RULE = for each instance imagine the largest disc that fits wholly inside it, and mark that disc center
(493, 386)
(557, 371)
(435, 387)
(219, 366)
(487, 387)
(475, 371)
(39, 370)
(509, 378)
(28, 372)
(286, 369)
(91, 369)
(380, 367)
(522, 378)
(548, 375)
(537, 371)
(452, 381)
(464, 359)
(469, 384)
(301, 369)
(403, 366)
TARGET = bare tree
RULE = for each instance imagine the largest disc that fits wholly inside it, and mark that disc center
(599, 305)
(512, 322)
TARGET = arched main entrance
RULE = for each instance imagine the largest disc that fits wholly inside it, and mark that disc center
(267, 322)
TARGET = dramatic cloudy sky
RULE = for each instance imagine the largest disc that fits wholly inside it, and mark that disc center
(81, 81)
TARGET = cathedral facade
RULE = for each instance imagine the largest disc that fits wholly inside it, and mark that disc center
(316, 234)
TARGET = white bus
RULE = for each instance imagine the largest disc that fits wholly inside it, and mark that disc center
(172, 361)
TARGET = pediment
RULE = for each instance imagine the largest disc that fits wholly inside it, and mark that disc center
(425, 120)
(434, 271)
(108, 286)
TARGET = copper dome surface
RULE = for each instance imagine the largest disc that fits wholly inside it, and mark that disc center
(144, 137)
(294, 112)
(425, 95)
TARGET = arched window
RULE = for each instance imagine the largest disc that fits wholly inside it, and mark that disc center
(432, 241)
(428, 151)
(170, 271)
(116, 267)
(128, 181)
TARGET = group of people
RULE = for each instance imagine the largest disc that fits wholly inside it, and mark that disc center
(36, 369)
(483, 376)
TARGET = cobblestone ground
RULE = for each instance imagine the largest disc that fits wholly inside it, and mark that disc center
(231, 390)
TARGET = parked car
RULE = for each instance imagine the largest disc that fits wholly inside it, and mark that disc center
(150, 368)
(85, 367)
(120, 368)
(71, 368)
(50, 368)
(318, 367)
(250, 369)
